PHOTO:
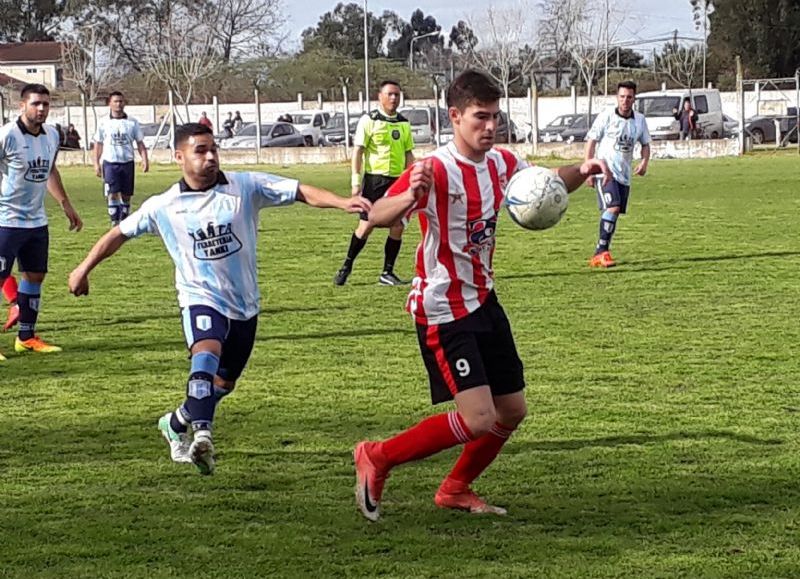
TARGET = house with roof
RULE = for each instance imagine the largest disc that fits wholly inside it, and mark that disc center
(33, 62)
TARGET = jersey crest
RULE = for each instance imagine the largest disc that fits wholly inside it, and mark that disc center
(38, 170)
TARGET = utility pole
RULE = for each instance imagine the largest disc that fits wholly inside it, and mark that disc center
(605, 91)
(366, 59)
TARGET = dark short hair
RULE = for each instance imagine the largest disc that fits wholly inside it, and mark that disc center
(627, 84)
(470, 87)
(386, 82)
(33, 89)
(115, 93)
(187, 130)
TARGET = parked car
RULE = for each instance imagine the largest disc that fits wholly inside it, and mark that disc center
(151, 141)
(659, 106)
(576, 133)
(730, 127)
(309, 124)
(333, 131)
(761, 128)
(272, 135)
(552, 132)
(423, 123)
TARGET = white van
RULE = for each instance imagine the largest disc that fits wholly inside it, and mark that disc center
(658, 107)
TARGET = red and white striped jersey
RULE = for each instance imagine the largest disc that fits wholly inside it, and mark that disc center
(458, 218)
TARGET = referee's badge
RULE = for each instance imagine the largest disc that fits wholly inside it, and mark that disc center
(395, 134)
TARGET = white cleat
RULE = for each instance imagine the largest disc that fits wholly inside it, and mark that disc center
(179, 442)
(201, 452)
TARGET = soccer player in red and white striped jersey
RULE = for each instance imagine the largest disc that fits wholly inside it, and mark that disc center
(464, 335)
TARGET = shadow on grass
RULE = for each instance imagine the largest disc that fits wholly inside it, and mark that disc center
(653, 265)
(339, 334)
(641, 439)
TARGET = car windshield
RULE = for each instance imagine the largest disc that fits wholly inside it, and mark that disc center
(562, 122)
(301, 119)
(250, 130)
(659, 106)
(416, 116)
(151, 130)
(335, 122)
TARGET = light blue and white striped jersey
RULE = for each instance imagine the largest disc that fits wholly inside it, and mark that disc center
(118, 137)
(211, 237)
(617, 136)
(25, 164)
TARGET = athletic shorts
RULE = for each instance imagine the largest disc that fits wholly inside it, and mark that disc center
(118, 177)
(375, 187)
(614, 194)
(27, 246)
(236, 336)
(474, 351)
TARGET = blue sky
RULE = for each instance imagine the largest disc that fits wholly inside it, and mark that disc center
(646, 18)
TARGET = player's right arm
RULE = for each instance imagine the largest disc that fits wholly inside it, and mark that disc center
(98, 150)
(105, 247)
(414, 184)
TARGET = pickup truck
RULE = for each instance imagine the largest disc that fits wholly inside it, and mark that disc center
(761, 128)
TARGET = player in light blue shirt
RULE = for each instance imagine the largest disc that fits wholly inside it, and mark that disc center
(208, 222)
(28, 149)
(617, 131)
(114, 143)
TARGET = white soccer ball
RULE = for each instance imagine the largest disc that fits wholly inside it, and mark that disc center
(536, 198)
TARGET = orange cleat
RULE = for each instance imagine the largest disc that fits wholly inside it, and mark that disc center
(370, 478)
(602, 260)
(457, 495)
(13, 317)
(35, 344)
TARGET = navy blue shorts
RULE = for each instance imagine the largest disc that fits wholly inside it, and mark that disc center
(236, 336)
(118, 177)
(28, 246)
(476, 350)
(615, 194)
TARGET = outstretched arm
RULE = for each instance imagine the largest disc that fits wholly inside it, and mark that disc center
(105, 247)
(574, 175)
(322, 198)
(388, 210)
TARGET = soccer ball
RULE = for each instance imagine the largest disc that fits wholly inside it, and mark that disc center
(536, 198)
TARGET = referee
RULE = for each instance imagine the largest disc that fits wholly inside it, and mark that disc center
(382, 148)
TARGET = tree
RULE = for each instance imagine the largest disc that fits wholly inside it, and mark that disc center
(342, 30)
(501, 50)
(462, 38)
(766, 33)
(31, 20)
(420, 26)
(701, 10)
(246, 28)
(557, 29)
(680, 63)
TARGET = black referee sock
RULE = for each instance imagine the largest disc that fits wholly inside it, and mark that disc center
(391, 250)
(356, 245)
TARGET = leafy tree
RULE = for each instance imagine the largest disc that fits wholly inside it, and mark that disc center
(420, 25)
(766, 33)
(31, 20)
(342, 30)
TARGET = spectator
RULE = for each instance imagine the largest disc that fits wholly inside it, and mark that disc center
(687, 117)
(237, 122)
(205, 121)
(285, 118)
(227, 126)
(73, 138)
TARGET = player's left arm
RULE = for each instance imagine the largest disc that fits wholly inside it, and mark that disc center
(322, 198)
(56, 189)
(574, 175)
(644, 139)
(105, 247)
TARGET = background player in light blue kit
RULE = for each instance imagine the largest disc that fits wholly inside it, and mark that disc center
(617, 131)
(209, 223)
(28, 150)
(114, 155)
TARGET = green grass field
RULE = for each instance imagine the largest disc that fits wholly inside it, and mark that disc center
(662, 439)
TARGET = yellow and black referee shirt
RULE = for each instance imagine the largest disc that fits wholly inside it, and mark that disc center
(385, 140)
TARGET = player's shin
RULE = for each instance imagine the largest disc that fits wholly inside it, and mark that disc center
(28, 299)
(430, 436)
(114, 209)
(200, 402)
(608, 224)
(479, 454)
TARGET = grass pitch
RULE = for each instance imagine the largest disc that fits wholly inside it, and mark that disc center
(662, 439)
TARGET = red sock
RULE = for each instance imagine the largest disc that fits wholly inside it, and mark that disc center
(10, 289)
(430, 436)
(479, 454)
